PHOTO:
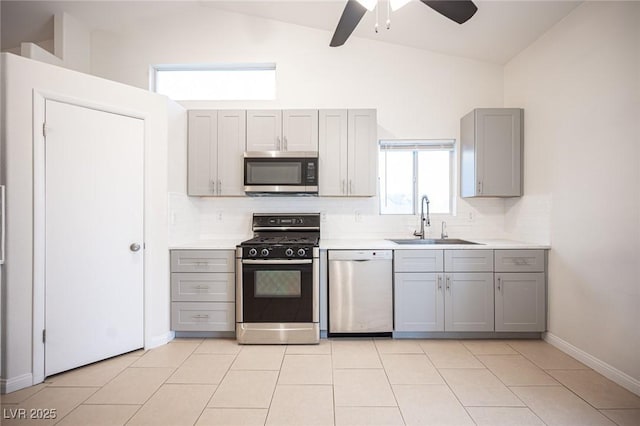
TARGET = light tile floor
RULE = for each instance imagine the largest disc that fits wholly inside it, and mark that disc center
(339, 382)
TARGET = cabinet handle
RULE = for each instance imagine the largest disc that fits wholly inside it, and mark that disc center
(350, 187)
(448, 283)
(499, 283)
(200, 316)
(279, 142)
(439, 282)
(219, 186)
(479, 187)
(202, 287)
(286, 143)
(213, 186)
(344, 186)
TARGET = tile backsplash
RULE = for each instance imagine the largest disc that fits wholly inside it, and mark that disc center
(196, 218)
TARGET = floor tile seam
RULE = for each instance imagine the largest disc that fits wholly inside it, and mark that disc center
(275, 386)
(501, 382)
(526, 407)
(386, 374)
(77, 405)
(572, 392)
(224, 376)
(583, 399)
(46, 385)
(464, 406)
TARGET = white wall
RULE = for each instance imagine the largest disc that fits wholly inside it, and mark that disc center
(418, 94)
(580, 87)
(20, 78)
(72, 42)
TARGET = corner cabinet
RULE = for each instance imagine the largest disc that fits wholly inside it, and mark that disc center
(216, 142)
(491, 152)
(202, 290)
(282, 130)
(348, 152)
(520, 287)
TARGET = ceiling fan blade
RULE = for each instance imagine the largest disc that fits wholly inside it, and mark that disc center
(351, 16)
(459, 11)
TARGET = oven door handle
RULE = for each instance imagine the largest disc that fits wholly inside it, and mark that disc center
(277, 262)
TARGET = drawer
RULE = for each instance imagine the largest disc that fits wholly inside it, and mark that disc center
(519, 261)
(203, 316)
(418, 260)
(468, 260)
(204, 287)
(202, 261)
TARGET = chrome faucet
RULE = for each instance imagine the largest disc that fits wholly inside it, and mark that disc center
(443, 231)
(421, 234)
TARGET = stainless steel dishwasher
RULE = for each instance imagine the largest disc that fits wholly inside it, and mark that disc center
(360, 291)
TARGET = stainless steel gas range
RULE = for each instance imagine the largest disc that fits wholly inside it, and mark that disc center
(277, 281)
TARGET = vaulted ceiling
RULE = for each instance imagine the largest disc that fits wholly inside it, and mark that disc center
(497, 32)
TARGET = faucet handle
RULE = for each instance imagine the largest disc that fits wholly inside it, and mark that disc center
(443, 232)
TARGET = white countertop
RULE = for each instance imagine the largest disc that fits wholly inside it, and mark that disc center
(369, 244)
(380, 244)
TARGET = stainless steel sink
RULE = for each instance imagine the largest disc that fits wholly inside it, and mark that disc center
(432, 241)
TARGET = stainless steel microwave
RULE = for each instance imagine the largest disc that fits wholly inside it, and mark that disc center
(281, 173)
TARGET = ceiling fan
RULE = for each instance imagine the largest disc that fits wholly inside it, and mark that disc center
(457, 10)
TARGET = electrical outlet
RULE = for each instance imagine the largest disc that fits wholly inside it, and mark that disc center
(219, 216)
(323, 216)
(472, 216)
(172, 218)
(358, 216)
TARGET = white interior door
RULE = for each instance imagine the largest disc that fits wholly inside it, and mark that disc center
(94, 217)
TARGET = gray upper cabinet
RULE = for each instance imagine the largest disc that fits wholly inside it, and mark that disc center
(491, 152)
(282, 130)
(216, 143)
(348, 152)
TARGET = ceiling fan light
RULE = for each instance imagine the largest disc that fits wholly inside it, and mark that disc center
(397, 4)
(369, 4)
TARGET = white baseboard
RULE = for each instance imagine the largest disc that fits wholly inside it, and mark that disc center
(610, 372)
(16, 383)
(156, 341)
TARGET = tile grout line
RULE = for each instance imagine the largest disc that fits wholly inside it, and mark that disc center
(235, 356)
(161, 384)
(275, 386)
(395, 398)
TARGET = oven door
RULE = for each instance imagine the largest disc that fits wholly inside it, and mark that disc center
(278, 291)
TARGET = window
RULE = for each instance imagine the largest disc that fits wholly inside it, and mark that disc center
(411, 169)
(215, 82)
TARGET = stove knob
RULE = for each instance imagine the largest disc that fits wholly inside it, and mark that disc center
(301, 252)
(253, 252)
(264, 252)
(288, 252)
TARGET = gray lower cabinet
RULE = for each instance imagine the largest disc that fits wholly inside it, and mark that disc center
(468, 301)
(520, 290)
(419, 302)
(435, 292)
(202, 290)
(458, 290)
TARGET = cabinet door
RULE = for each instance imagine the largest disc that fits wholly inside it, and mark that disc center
(417, 260)
(419, 302)
(203, 316)
(202, 152)
(202, 287)
(300, 130)
(362, 152)
(469, 301)
(468, 260)
(520, 302)
(264, 130)
(203, 261)
(332, 156)
(498, 151)
(231, 143)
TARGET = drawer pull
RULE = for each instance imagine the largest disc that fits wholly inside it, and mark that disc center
(439, 282)
(448, 283)
(202, 287)
(199, 316)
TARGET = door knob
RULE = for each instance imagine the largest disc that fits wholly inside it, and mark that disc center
(134, 247)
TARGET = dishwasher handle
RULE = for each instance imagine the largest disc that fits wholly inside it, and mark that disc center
(360, 255)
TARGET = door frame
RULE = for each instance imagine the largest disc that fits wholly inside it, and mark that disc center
(39, 245)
